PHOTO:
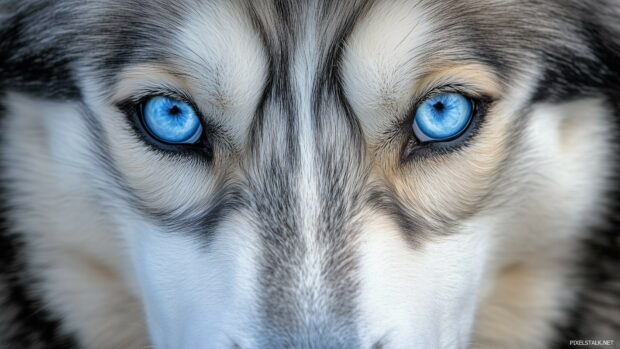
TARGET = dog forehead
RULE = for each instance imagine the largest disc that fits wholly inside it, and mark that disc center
(229, 52)
(382, 59)
(224, 60)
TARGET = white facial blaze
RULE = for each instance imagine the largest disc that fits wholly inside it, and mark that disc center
(304, 68)
(196, 294)
(420, 298)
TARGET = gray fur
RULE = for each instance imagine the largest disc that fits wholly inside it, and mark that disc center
(47, 47)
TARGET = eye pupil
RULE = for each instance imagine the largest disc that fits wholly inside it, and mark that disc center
(439, 106)
(175, 110)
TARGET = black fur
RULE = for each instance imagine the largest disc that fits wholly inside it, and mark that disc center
(43, 70)
(501, 38)
(25, 323)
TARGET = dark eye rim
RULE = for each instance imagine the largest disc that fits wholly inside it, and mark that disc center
(414, 149)
(134, 110)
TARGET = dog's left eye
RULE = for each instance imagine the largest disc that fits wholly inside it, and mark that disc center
(171, 120)
(442, 117)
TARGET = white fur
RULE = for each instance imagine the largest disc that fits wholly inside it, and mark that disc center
(84, 278)
(226, 63)
(379, 71)
(540, 228)
(115, 273)
(195, 299)
(420, 299)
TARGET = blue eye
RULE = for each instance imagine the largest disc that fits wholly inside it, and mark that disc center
(171, 120)
(442, 117)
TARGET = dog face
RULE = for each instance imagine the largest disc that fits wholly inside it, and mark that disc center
(314, 208)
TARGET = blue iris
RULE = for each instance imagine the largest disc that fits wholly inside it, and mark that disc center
(442, 117)
(171, 120)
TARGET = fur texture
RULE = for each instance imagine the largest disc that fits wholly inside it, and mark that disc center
(309, 216)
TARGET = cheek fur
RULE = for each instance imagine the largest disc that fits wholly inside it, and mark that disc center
(425, 296)
(195, 294)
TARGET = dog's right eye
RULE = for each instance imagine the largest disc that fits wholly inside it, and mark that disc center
(442, 117)
(171, 121)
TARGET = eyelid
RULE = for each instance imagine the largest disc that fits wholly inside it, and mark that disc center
(478, 98)
(471, 79)
(140, 97)
(452, 88)
(162, 89)
(170, 93)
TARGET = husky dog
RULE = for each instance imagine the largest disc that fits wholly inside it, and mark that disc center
(181, 174)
